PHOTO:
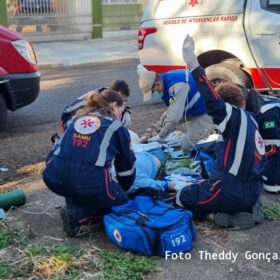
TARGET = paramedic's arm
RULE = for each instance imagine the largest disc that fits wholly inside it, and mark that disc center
(69, 111)
(215, 106)
(125, 160)
(175, 110)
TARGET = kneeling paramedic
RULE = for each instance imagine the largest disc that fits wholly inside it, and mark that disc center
(266, 110)
(178, 91)
(78, 167)
(269, 124)
(235, 183)
(119, 85)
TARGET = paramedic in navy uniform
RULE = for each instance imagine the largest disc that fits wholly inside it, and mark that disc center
(269, 123)
(78, 167)
(235, 184)
(119, 85)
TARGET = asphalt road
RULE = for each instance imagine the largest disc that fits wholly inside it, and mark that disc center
(60, 86)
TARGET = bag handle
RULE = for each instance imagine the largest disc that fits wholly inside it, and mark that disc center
(139, 221)
(167, 208)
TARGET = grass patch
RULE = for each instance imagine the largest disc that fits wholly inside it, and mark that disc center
(13, 234)
(119, 266)
(272, 212)
(37, 250)
(69, 261)
(66, 260)
(5, 270)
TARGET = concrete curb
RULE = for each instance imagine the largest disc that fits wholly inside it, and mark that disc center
(84, 64)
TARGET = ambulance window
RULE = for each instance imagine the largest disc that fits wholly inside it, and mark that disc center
(271, 5)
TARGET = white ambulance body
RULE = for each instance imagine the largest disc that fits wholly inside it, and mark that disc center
(236, 40)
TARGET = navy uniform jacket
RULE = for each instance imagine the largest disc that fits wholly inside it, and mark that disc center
(240, 149)
(79, 164)
(269, 124)
(269, 121)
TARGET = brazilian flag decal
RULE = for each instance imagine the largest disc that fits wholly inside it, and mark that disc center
(269, 124)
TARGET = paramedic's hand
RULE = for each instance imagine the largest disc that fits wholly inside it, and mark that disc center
(188, 53)
(155, 139)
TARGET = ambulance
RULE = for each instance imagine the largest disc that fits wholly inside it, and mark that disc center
(236, 40)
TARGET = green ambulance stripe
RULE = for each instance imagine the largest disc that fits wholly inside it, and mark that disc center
(269, 124)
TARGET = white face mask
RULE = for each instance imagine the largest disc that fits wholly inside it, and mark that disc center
(157, 95)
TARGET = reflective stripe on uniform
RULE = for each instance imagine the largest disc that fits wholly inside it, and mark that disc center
(187, 76)
(240, 145)
(127, 172)
(222, 126)
(98, 90)
(75, 107)
(114, 126)
(220, 138)
(57, 151)
(57, 146)
(267, 107)
(193, 101)
(275, 142)
(254, 121)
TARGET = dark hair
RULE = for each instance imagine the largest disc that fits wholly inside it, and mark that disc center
(254, 101)
(121, 86)
(158, 77)
(100, 102)
(244, 90)
(111, 96)
(231, 94)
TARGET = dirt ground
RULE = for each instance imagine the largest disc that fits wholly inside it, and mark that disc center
(24, 158)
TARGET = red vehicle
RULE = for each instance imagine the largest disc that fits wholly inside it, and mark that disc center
(19, 77)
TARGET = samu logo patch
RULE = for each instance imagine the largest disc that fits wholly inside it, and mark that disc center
(269, 125)
(259, 143)
(117, 235)
(87, 125)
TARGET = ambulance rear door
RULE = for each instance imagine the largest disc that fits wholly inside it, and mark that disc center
(262, 25)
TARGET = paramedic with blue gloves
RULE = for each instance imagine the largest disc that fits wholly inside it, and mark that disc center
(235, 184)
(119, 85)
(178, 91)
(78, 167)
